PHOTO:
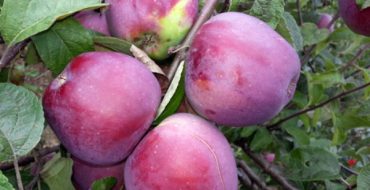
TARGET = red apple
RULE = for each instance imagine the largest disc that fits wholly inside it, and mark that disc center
(239, 71)
(101, 105)
(183, 152)
(84, 174)
(94, 21)
(357, 19)
(324, 22)
(153, 25)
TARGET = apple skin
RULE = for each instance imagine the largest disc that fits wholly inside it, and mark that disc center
(153, 25)
(356, 19)
(324, 22)
(94, 21)
(183, 152)
(84, 174)
(239, 71)
(101, 105)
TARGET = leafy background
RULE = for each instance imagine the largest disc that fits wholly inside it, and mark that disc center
(320, 140)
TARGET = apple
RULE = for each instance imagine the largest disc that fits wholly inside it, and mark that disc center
(84, 174)
(101, 105)
(239, 71)
(183, 152)
(153, 25)
(94, 21)
(324, 22)
(357, 19)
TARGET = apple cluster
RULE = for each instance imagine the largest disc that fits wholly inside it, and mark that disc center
(239, 72)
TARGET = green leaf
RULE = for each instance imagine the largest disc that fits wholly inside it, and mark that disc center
(104, 184)
(334, 186)
(315, 91)
(174, 96)
(289, 29)
(327, 79)
(114, 44)
(4, 183)
(261, 140)
(57, 173)
(32, 57)
(60, 44)
(269, 11)
(248, 131)
(311, 164)
(312, 35)
(300, 136)
(21, 19)
(363, 179)
(21, 121)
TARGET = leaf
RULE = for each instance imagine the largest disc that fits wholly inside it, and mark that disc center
(174, 96)
(57, 173)
(21, 19)
(60, 44)
(311, 164)
(261, 140)
(21, 121)
(104, 184)
(300, 137)
(148, 62)
(4, 183)
(327, 79)
(114, 44)
(312, 35)
(248, 131)
(31, 56)
(289, 29)
(363, 179)
(269, 11)
(334, 186)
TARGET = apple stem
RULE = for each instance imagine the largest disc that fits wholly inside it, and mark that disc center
(203, 17)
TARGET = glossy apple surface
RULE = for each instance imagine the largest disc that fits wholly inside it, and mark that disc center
(101, 105)
(183, 152)
(94, 21)
(357, 19)
(84, 174)
(324, 22)
(153, 25)
(239, 71)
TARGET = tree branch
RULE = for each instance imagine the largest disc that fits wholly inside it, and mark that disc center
(11, 52)
(357, 56)
(252, 176)
(267, 169)
(245, 180)
(203, 17)
(28, 159)
(341, 95)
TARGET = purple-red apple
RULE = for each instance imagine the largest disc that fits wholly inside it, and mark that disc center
(239, 71)
(94, 21)
(84, 174)
(101, 105)
(183, 152)
(153, 25)
(324, 22)
(357, 19)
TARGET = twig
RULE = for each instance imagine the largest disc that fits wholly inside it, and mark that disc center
(17, 173)
(276, 125)
(349, 170)
(245, 180)
(357, 56)
(252, 176)
(203, 17)
(36, 178)
(29, 159)
(267, 169)
(298, 3)
(11, 52)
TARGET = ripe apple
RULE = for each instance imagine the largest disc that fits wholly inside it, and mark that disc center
(324, 22)
(94, 21)
(84, 174)
(357, 19)
(183, 152)
(101, 105)
(153, 25)
(239, 71)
